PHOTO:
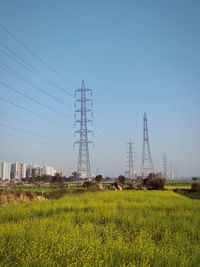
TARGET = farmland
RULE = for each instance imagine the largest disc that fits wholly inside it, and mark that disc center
(112, 228)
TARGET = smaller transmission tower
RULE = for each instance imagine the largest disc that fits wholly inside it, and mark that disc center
(172, 171)
(130, 172)
(165, 171)
(146, 163)
(83, 166)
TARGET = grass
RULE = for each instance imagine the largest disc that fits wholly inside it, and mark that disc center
(128, 228)
(178, 186)
(41, 189)
(44, 189)
(193, 195)
(38, 189)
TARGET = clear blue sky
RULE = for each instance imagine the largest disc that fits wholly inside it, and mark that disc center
(137, 56)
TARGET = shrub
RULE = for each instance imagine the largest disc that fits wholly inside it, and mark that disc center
(117, 186)
(121, 179)
(98, 178)
(130, 186)
(196, 186)
(91, 185)
(154, 181)
(87, 184)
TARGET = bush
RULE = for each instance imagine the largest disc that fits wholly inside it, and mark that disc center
(87, 184)
(130, 186)
(117, 186)
(93, 186)
(98, 178)
(153, 182)
(121, 179)
(196, 187)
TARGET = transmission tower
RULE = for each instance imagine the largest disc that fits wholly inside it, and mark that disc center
(146, 163)
(165, 171)
(172, 171)
(130, 172)
(83, 107)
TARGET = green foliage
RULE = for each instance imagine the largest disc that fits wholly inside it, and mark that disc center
(179, 186)
(57, 180)
(121, 179)
(75, 176)
(131, 186)
(153, 182)
(90, 185)
(196, 178)
(98, 178)
(196, 187)
(111, 229)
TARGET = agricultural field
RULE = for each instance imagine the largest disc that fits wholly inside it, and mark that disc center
(37, 189)
(178, 186)
(111, 228)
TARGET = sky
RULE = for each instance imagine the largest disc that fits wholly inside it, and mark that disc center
(136, 56)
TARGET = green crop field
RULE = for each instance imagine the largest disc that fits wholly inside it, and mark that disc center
(39, 189)
(179, 186)
(112, 228)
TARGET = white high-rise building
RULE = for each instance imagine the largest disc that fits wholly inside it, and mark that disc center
(5, 170)
(32, 170)
(18, 170)
(48, 170)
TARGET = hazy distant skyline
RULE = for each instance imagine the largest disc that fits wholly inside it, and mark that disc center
(137, 56)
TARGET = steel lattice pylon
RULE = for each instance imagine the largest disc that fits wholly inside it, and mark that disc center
(165, 171)
(83, 166)
(146, 163)
(130, 172)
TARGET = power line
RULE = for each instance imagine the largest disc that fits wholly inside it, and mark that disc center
(32, 69)
(115, 149)
(35, 55)
(28, 110)
(30, 140)
(101, 129)
(101, 122)
(33, 123)
(20, 77)
(30, 133)
(101, 113)
(33, 99)
(37, 72)
(104, 129)
(107, 156)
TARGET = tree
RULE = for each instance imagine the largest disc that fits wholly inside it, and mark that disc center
(58, 180)
(154, 181)
(98, 178)
(196, 187)
(121, 179)
(195, 178)
(75, 175)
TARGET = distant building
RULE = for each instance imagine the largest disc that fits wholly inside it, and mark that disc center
(5, 170)
(35, 171)
(48, 170)
(32, 170)
(18, 170)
